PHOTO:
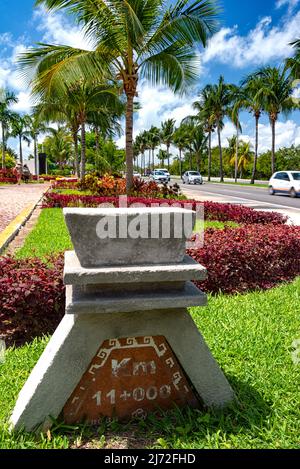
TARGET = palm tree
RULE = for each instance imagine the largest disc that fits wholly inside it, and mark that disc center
(181, 140)
(253, 101)
(141, 144)
(167, 132)
(154, 141)
(220, 99)
(245, 157)
(35, 128)
(19, 128)
(59, 143)
(133, 39)
(162, 156)
(197, 143)
(276, 94)
(293, 63)
(6, 99)
(237, 106)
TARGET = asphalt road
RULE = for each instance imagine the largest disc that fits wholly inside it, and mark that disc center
(239, 193)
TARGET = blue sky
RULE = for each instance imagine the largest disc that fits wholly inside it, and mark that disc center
(252, 34)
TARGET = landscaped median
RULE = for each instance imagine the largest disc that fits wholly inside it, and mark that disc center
(249, 326)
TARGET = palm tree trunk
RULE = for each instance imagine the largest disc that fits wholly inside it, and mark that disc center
(153, 162)
(149, 159)
(256, 150)
(76, 159)
(180, 163)
(221, 154)
(190, 157)
(168, 157)
(21, 153)
(236, 156)
(209, 157)
(36, 163)
(129, 142)
(83, 151)
(3, 145)
(273, 122)
(198, 162)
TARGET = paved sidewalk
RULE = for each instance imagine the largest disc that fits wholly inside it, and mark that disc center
(14, 199)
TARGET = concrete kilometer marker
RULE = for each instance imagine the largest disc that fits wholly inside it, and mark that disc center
(127, 344)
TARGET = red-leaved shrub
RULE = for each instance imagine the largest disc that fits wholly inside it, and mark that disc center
(31, 298)
(248, 258)
(213, 210)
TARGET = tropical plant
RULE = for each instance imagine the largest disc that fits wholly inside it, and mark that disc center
(19, 128)
(153, 141)
(244, 155)
(162, 156)
(237, 103)
(133, 39)
(167, 133)
(58, 146)
(197, 143)
(276, 92)
(253, 101)
(6, 99)
(181, 141)
(220, 98)
(35, 127)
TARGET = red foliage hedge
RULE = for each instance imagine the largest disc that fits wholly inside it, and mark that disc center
(237, 260)
(31, 298)
(213, 210)
(247, 258)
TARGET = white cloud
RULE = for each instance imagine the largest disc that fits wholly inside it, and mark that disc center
(261, 45)
(291, 4)
(58, 30)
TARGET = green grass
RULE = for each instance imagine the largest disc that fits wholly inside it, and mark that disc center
(49, 236)
(250, 336)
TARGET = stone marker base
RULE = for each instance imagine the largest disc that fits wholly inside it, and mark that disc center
(141, 348)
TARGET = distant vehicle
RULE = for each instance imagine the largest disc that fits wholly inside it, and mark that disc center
(136, 174)
(166, 172)
(285, 182)
(192, 177)
(159, 176)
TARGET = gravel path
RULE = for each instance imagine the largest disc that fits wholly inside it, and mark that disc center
(13, 199)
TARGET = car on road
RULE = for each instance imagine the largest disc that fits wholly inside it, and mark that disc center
(192, 177)
(159, 176)
(285, 182)
(136, 174)
(166, 172)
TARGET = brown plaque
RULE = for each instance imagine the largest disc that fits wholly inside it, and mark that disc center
(128, 378)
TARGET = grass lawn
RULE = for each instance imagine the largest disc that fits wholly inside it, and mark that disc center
(50, 235)
(247, 184)
(251, 337)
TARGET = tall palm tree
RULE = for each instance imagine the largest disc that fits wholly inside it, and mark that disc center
(141, 143)
(162, 156)
(253, 101)
(35, 127)
(133, 39)
(154, 141)
(276, 93)
(19, 128)
(220, 99)
(197, 143)
(237, 104)
(167, 132)
(6, 99)
(181, 141)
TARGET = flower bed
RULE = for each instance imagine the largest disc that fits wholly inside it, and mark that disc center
(247, 258)
(213, 210)
(31, 298)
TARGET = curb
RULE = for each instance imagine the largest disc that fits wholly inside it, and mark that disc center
(11, 231)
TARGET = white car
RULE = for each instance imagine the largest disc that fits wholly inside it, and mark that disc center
(192, 177)
(285, 182)
(159, 176)
(166, 172)
(136, 174)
